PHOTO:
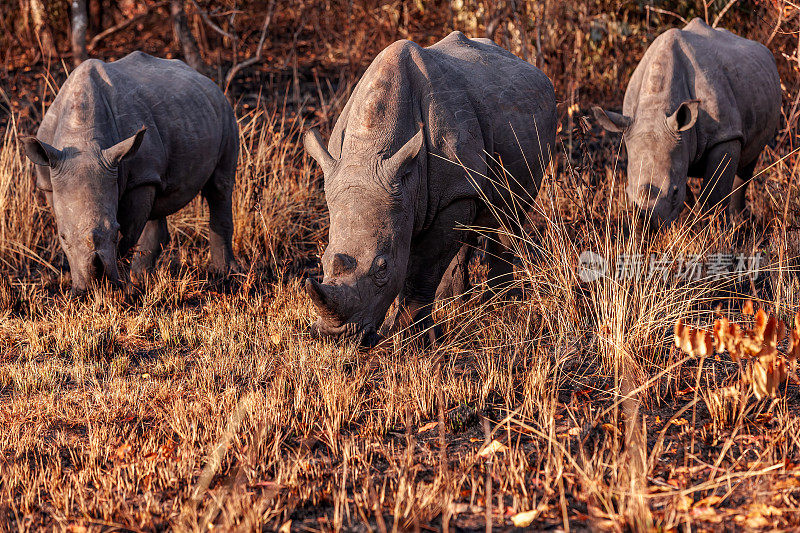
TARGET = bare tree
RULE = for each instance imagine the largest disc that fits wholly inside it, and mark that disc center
(40, 27)
(256, 58)
(125, 23)
(180, 27)
(24, 12)
(80, 21)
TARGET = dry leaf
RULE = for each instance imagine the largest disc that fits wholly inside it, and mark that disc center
(458, 508)
(794, 340)
(721, 326)
(747, 308)
(492, 448)
(706, 514)
(286, 527)
(693, 341)
(427, 427)
(757, 517)
(525, 518)
(708, 501)
(684, 503)
(123, 451)
(786, 484)
(761, 323)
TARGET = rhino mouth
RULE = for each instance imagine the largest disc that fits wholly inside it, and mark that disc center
(365, 336)
(337, 318)
(661, 213)
(96, 271)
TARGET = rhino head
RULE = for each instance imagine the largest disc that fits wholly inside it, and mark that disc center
(84, 195)
(660, 148)
(371, 223)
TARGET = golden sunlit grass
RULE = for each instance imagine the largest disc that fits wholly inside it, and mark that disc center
(203, 401)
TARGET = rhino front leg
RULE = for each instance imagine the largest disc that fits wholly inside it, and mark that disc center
(133, 213)
(154, 238)
(740, 183)
(500, 257)
(721, 165)
(218, 192)
(430, 257)
(455, 282)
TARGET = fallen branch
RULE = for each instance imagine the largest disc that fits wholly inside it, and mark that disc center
(257, 57)
(124, 24)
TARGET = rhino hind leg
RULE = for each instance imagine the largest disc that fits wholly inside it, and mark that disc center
(218, 192)
(154, 238)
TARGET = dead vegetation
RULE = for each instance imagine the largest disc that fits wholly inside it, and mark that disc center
(203, 402)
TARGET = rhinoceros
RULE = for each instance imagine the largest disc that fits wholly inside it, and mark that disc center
(432, 141)
(125, 144)
(702, 102)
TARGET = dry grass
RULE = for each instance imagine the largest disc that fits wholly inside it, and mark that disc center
(203, 401)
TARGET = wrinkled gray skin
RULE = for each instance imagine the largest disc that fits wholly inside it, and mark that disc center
(396, 185)
(125, 144)
(703, 103)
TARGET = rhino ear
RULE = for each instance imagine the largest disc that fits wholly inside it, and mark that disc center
(401, 160)
(126, 149)
(40, 152)
(312, 142)
(610, 121)
(685, 117)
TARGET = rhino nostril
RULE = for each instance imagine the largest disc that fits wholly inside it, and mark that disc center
(95, 239)
(342, 264)
(98, 267)
(649, 193)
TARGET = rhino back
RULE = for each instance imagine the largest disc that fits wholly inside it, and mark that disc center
(190, 123)
(471, 98)
(719, 68)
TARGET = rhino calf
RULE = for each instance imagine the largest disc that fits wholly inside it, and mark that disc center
(702, 103)
(125, 144)
(414, 158)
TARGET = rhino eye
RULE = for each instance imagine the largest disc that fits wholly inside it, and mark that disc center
(380, 270)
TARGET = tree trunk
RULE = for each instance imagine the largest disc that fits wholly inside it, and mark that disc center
(24, 19)
(180, 27)
(95, 16)
(41, 29)
(80, 21)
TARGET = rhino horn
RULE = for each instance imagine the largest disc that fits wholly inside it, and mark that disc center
(610, 121)
(324, 298)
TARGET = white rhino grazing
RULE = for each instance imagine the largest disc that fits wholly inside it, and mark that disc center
(703, 103)
(125, 144)
(406, 171)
